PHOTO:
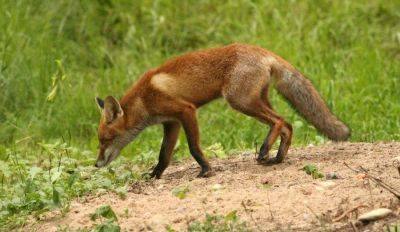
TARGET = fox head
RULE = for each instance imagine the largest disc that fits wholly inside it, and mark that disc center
(112, 132)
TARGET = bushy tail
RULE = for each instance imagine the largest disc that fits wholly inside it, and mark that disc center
(299, 91)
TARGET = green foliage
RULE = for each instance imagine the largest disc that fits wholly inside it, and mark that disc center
(107, 226)
(104, 211)
(349, 50)
(180, 192)
(56, 56)
(312, 170)
(33, 184)
(110, 225)
(394, 227)
(219, 223)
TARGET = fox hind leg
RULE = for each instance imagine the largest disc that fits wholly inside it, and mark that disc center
(256, 107)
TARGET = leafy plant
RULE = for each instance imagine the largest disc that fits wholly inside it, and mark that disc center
(180, 192)
(217, 149)
(104, 211)
(110, 225)
(34, 187)
(107, 226)
(229, 222)
(312, 170)
(395, 227)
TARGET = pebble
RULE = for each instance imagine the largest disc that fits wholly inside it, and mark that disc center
(374, 215)
(217, 187)
(331, 176)
(325, 185)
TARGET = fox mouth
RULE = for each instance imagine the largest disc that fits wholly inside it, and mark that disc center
(101, 163)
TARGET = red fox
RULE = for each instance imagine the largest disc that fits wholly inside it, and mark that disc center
(240, 73)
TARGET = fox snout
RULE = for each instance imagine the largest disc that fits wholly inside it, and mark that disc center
(106, 156)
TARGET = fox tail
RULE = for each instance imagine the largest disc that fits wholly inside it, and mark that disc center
(302, 95)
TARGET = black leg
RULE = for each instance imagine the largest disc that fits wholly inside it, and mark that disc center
(171, 133)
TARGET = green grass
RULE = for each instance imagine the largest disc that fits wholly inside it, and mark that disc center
(349, 49)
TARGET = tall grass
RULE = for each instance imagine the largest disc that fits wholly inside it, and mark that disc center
(56, 56)
(349, 49)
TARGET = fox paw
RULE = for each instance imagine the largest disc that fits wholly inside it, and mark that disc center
(204, 173)
(262, 159)
(269, 161)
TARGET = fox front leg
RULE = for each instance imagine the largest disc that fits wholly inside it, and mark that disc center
(171, 133)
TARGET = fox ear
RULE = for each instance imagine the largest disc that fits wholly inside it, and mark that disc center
(100, 103)
(112, 109)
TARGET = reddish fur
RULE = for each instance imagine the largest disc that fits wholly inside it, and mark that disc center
(171, 93)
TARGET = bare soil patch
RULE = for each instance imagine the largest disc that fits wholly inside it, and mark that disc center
(290, 201)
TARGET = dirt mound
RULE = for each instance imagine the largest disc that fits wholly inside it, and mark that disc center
(268, 198)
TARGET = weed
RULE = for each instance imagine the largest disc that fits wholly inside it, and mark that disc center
(104, 211)
(180, 192)
(312, 170)
(111, 222)
(51, 183)
(229, 222)
(53, 64)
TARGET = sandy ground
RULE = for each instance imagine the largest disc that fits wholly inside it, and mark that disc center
(292, 200)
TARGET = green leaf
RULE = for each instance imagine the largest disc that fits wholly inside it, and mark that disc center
(319, 139)
(5, 169)
(298, 124)
(56, 197)
(122, 192)
(218, 150)
(33, 171)
(105, 183)
(309, 168)
(73, 178)
(312, 170)
(231, 216)
(108, 226)
(52, 94)
(180, 192)
(55, 174)
(104, 211)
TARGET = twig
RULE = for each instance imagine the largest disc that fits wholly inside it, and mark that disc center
(354, 170)
(269, 207)
(256, 150)
(375, 180)
(248, 212)
(347, 212)
(321, 221)
(354, 227)
(381, 183)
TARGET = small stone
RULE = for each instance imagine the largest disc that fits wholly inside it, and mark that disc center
(361, 176)
(325, 185)
(374, 215)
(305, 192)
(396, 160)
(331, 176)
(217, 187)
(265, 181)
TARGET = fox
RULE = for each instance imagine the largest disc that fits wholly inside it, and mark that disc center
(239, 73)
